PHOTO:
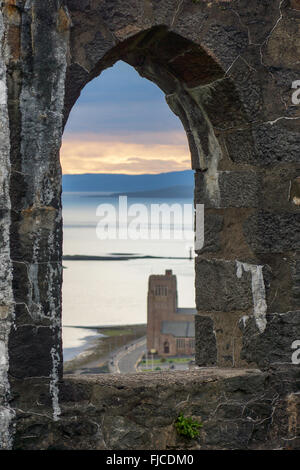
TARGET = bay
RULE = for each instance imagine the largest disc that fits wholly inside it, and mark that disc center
(114, 292)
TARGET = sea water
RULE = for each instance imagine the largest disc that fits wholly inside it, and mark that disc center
(114, 292)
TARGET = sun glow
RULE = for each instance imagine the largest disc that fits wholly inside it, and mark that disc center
(141, 153)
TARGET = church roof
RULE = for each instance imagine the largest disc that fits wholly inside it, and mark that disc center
(179, 329)
(186, 311)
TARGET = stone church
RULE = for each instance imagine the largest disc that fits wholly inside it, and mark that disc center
(170, 330)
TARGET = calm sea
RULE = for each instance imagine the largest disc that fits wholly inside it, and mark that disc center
(97, 293)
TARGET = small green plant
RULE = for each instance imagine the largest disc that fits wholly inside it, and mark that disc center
(187, 427)
(157, 368)
(163, 359)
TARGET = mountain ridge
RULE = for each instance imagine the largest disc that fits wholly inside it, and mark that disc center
(178, 191)
(120, 183)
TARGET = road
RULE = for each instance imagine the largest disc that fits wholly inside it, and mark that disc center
(126, 359)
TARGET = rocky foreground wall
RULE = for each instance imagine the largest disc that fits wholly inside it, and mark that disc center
(239, 409)
(230, 71)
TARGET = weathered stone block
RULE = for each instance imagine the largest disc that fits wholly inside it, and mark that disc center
(241, 147)
(206, 344)
(268, 232)
(239, 189)
(227, 41)
(30, 351)
(125, 433)
(279, 281)
(280, 190)
(248, 87)
(253, 16)
(219, 335)
(213, 224)
(194, 14)
(274, 346)
(218, 287)
(36, 235)
(277, 142)
(283, 46)
(277, 90)
(36, 291)
(264, 145)
(235, 188)
(221, 95)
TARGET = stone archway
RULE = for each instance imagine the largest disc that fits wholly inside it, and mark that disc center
(208, 103)
(228, 82)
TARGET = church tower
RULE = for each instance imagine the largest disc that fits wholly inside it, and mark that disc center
(162, 305)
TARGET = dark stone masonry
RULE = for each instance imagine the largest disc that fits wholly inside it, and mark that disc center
(230, 70)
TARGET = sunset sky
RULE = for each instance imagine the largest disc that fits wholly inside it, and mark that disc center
(122, 124)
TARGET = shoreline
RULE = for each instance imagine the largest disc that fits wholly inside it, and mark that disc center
(77, 340)
(95, 358)
(118, 257)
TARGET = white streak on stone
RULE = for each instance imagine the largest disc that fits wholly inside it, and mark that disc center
(212, 174)
(6, 293)
(244, 320)
(2, 93)
(33, 272)
(210, 161)
(37, 148)
(239, 271)
(6, 413)
(199, 238)
(258, 292)
(282, 117)
(6, 436)
(54, 384)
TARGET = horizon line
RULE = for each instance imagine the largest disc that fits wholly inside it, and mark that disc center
(126, 174)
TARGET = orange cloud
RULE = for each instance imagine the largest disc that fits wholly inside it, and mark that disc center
(128, 154)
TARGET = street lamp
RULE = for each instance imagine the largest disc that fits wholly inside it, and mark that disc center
(152, 351)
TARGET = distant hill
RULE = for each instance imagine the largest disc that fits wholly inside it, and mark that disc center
(118, 183)
(171, 192)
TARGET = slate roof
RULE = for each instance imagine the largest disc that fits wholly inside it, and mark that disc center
(186, 311)
(179, 329)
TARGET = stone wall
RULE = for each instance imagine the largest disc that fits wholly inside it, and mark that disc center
(238, 409)
(230, 71)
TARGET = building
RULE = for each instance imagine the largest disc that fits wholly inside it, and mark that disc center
(170, 330)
